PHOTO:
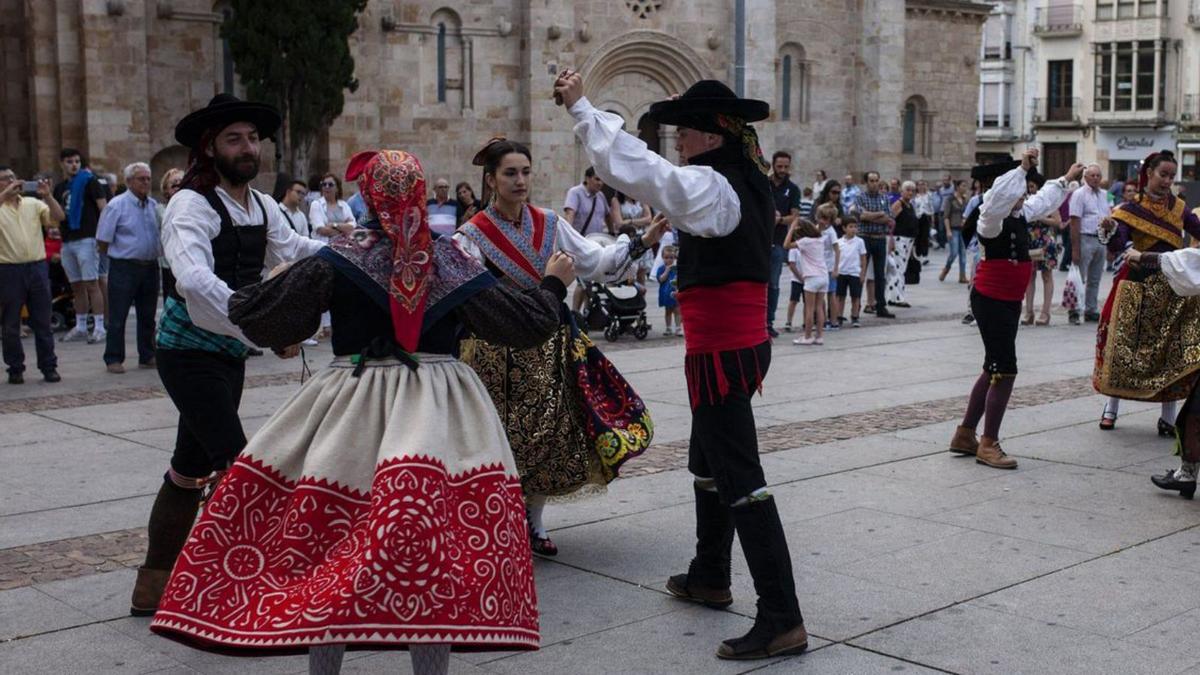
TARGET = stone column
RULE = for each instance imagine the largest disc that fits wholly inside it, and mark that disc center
(550, 42)
(761, 52)
(877, 138)
(115, 85)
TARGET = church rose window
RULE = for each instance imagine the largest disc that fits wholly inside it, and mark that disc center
(643, 8)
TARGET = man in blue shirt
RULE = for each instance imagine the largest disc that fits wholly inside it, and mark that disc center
(128, 233)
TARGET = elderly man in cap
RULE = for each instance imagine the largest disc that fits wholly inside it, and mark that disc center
(218, 235)
(720, 204)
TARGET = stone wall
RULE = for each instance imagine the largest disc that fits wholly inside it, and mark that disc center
(15, 106)
(942, 70)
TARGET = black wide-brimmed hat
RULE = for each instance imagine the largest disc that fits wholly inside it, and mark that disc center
(986, 174)
(223, 110)
(702, 102)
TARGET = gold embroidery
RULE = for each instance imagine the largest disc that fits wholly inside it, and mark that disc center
(537, 398)
(1152, 229)
(1153, 347)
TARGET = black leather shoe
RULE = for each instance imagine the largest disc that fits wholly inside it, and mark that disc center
(16, 378)
(772, 332)
(1169, 481)
(884, 314)
(1165, 428)
(51, 376)
(1091, 317)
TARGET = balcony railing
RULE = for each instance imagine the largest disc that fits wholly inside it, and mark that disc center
(1059, 20)
(1057, 111)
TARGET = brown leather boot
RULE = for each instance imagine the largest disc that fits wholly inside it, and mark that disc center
(147, 591)
(763, 646)
(964, 441)
(989, 453)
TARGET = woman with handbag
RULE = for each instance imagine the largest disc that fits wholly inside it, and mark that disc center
(380, 507)
(1043, 251)
(1153, 222)
(540, 392)
(905, 234)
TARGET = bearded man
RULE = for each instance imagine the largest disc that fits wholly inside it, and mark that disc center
(217, 236)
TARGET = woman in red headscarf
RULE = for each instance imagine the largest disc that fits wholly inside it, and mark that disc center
(1154, 221)
(365, 512)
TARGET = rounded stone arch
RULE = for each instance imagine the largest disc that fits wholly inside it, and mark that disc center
(629, 73)
(170, 157)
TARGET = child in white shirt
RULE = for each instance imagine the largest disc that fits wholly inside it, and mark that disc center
(825, 215)
(811, 246)
(853, 258)
(797, 286)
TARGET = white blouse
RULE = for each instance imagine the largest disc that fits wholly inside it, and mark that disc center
(190, 225)
(1000, 201)
(696, 199)
(321, 214)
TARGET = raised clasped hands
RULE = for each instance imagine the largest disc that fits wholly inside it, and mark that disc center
(654, 233)
(1029, 158)
(1075, 172)
(568, 88)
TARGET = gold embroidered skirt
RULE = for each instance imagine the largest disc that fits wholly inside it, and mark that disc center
(1153, 348)
(539, 405)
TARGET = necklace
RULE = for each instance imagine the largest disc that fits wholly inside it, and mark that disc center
(505, 216)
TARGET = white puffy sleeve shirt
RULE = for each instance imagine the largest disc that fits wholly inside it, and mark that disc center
(190, 225)
(1000, 201)
(696, 199)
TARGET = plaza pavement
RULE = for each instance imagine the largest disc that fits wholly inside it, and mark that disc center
(907, 559)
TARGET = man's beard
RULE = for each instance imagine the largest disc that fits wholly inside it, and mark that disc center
(239, 171)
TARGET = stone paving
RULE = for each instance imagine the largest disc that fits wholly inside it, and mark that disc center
(907, 559)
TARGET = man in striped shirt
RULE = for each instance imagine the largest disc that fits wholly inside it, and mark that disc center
(875, 225)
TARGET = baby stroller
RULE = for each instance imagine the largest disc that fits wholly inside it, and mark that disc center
(618, 309)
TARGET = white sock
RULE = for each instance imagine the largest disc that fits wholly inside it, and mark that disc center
(325, 659)
(1168, 411)
(1113, 406)
(430, 659)
(99, 322)
(81, 322)
(536, 504)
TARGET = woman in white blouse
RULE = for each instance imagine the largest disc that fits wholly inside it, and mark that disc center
(330, 214)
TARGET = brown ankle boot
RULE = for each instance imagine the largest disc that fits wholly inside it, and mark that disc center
(147, 591)
(964, 441)
(989, 453)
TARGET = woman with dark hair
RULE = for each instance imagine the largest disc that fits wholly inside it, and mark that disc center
(832, 194)
(630, 211)
(380, 507)
(529, 386)
(1153, 222)
(467, 202)
(1043, 251)
(953, 209)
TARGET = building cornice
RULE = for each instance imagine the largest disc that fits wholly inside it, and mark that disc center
(958, 9)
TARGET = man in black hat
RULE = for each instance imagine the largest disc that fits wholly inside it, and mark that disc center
(218, 236)
(720, 203)
(1002, 224)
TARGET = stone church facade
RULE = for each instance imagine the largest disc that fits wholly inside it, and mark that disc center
(889, 85)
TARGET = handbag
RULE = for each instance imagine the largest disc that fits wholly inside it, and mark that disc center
(912, 272)
(615, 417)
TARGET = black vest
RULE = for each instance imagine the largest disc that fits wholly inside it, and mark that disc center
(745, 253)
(239, 252)
(1011, 244)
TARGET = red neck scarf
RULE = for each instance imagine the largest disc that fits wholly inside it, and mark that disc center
(392, 184)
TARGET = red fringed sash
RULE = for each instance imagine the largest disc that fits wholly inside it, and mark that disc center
(718, 320)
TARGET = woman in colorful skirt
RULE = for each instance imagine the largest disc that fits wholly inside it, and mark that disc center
(381, 506)
(1152, 222)
(534, 389)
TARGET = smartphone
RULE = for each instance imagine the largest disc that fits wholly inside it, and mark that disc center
(29, 186)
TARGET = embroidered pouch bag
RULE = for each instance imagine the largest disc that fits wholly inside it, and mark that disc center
(616, 420)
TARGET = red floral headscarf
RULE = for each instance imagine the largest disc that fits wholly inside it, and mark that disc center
(392, 184)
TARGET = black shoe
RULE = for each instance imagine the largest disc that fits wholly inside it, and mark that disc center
(1073, 318)
(779, 625)
(1165, 428)
(772, 332)
(709, 575)
(884, 314)
(1091, 317)
(1169, 481)
(254, 352)
(968, 319)
(51, 376)
(16, 378)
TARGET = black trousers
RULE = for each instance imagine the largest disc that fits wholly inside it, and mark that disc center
(997, 321)
(26, 285)
(724, 440)
(131, 283)
(877, 254)
(206, 388)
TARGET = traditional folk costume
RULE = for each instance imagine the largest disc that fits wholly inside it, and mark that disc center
(1181, 271)
(1148, 226)
(380, 507)
(720, 205)
(535, 389)
(215, 245)
(1002, 225)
